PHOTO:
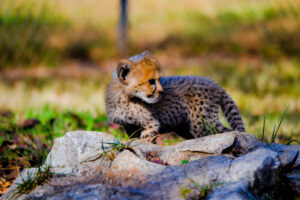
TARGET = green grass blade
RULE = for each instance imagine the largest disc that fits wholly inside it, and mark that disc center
(290, 142)
(211, 129)
(273, 133)
(263, 131)
(214, 128)
(204, 124)
(275, 130)
(282, 117)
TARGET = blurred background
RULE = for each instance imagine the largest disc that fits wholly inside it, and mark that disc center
(56, 58)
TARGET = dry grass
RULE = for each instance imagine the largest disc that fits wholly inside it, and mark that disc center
(69, 88)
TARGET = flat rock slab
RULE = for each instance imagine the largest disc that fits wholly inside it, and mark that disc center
(231, 165)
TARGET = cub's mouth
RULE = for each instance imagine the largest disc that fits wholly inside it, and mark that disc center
(152, 99)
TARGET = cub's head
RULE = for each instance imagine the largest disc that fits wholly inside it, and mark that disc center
(140, 77)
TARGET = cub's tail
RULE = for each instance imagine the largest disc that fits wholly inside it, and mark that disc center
(232, 112)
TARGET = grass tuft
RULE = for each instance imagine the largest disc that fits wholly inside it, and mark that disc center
(275, 128)
(33, 180)
(184, 162)
(115, 147)
(203, 189)
(275, 132)
(184, 192)
(209, 129)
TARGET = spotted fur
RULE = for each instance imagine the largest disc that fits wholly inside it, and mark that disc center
(139, 99)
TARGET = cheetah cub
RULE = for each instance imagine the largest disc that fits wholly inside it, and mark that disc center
(138, 98)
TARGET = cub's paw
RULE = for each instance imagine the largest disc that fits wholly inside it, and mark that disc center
(148, 136)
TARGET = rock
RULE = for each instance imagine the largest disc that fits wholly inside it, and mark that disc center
(81, 188)
(129, 170)
(246, 142)
(294, 179)
(201, 147)
(214, 144)
(79, 153)
(197, 148)
(234, 191)
(93, 191)
(250, 165)
(232, 165)
(288, 154)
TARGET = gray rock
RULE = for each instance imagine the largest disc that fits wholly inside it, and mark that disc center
(294, 179)
(287, 154)
(200, 147)
(79, 153)
(234, 191)
(225, 166)
(259, 160)
(246, 142)
(129, 170)
(92, 191)
(197, 148)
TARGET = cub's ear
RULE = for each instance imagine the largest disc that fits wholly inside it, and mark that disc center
(123, 69)
(151, 60)
(146, 53)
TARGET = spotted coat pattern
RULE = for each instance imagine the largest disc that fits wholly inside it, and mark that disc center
(188, 106)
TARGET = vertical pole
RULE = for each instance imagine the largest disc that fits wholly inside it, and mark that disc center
(122, 41)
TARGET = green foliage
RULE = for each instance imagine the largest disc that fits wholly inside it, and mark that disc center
(113, 148)
(171, 142)
(55, 124)
(184, 161)
(202, 189)
(184, 192)
(209, 129)
(275, 129)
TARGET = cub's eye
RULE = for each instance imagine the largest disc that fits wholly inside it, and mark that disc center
(152, 81)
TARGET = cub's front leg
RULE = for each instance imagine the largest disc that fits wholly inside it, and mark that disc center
(150, 129)
(141, 116)
(136, 115)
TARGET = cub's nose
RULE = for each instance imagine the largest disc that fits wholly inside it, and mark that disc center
(159, 87)
(160, 93)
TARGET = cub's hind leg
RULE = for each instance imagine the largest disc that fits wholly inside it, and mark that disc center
(196, 129)
(220, 128)
(200, 127)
